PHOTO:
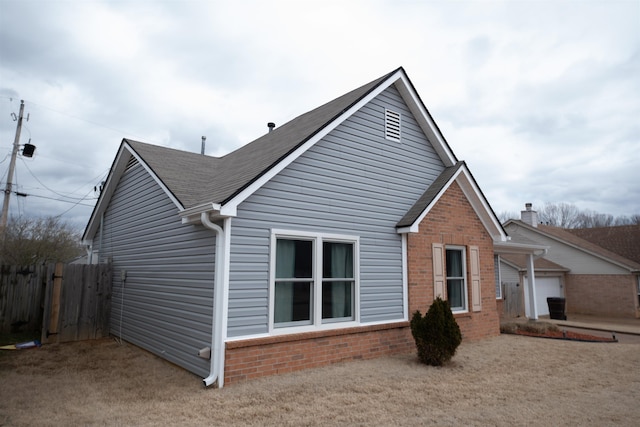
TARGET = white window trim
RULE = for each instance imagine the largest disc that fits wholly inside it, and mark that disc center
(498, 278)
(465, 292)
(317, 238)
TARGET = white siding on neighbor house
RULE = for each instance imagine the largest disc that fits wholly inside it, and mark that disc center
(578, 261)
(167, 303)
(508, 274)
(352, 182)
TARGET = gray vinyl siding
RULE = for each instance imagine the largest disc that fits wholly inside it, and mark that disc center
(167, 304)
(353, 182)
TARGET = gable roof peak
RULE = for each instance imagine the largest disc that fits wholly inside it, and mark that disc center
(197, 182)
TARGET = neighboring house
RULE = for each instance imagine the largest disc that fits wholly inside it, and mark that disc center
(549, 282)
(313, 244)
(595, 270)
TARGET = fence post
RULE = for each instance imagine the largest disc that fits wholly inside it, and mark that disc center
(51, 315)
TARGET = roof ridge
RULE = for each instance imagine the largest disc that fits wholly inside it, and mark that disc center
(251, 161)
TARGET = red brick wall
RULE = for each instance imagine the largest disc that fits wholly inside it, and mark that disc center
(287, 353)
(605, 295)
(452, 221)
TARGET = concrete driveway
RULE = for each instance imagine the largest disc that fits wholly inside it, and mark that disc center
(625, 330)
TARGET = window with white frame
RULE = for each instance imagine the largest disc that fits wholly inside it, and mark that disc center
(315, 279)
(456, 278)
(498, 274)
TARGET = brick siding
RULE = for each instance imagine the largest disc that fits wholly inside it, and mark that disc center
(259, 357)
(602, 294)
(452, 221)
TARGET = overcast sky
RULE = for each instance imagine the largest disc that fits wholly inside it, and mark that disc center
(541, 98)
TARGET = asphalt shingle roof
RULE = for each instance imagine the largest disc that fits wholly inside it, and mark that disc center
(429, 195)
(623, 240)
(195, 179)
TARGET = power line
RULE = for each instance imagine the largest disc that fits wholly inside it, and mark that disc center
(18, 193)
(58, 216)
(120, 131)
(101, 175)
(47, 188)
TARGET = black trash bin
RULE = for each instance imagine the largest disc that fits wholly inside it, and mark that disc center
(556, 308)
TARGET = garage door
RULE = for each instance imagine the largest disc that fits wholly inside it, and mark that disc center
(545, 287)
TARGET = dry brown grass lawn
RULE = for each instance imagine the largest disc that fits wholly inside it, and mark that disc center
(507, 380)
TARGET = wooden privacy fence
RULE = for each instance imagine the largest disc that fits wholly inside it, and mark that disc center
(21, 296)
(67, 302)
(513, 305)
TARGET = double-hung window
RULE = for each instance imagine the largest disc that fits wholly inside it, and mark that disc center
(314, 279)
(450, 276)
(456, 278)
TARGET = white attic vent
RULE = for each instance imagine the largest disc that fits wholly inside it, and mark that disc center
(392, 125)
(133, 162)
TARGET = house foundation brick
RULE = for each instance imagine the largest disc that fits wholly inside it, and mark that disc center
(248, 359)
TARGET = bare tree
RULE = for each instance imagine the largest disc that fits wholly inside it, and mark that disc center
(563, 215)
(567, 215)
(628, 220)
(591, 219)
(29, 241)
(505, 216)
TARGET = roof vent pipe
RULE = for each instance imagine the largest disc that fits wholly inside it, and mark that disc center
(204, 138)
(271, 126)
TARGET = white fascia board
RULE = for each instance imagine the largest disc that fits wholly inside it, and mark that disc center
(518, 248)
(244, 194)
(192, 214)
(415, 227)
(475, 198)
(155, 177)
(425, 121)
(119, 166)
(117, 169)
(480, 205)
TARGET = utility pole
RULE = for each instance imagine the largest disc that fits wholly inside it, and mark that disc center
(12, 167)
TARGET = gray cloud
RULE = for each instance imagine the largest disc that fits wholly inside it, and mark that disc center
(541, 104)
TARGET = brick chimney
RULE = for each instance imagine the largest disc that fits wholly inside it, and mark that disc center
(529, 216)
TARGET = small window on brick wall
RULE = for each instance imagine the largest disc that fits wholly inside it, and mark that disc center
(392, 125)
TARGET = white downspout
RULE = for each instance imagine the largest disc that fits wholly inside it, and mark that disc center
(533, 307)
(218, 327)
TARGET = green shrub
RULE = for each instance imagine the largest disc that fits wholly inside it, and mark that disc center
(437, 334)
